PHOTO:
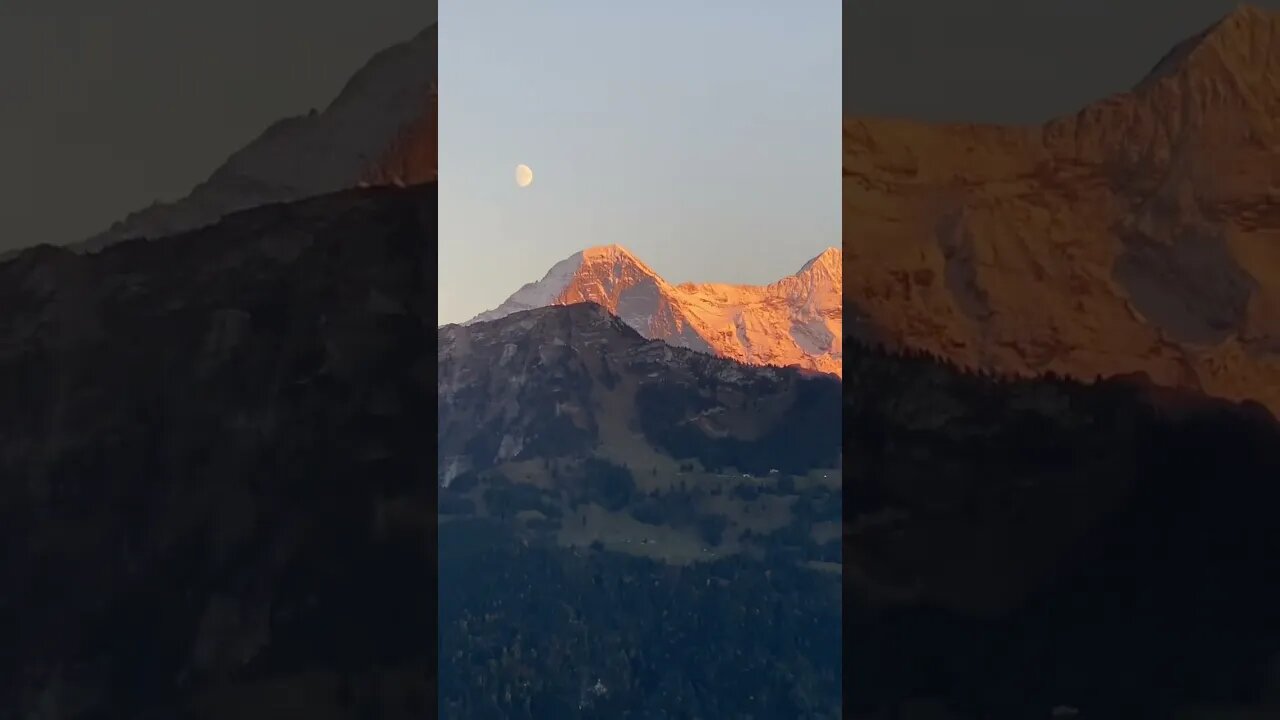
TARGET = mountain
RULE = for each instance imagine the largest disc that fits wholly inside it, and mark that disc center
(576, 379)
(688, 504)
(1141, 233)
(380, 130)
(216, 499)
(794, 321)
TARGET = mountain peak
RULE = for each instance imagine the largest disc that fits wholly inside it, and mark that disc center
(1236, 46)
(1246, 14)
(600, 274)
(380, 130)
(829, 259)
(608, 251)
(795, 321)
(1246, 31)
(614, 254)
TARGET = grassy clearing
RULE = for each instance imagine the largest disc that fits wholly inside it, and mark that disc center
(750, 505)
(624, 445)
(619, 532)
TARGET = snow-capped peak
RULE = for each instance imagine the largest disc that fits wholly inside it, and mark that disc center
(617, 256)
(609, 252)
(537, 294)
(794, 321)
(829, 260)
(608, 275)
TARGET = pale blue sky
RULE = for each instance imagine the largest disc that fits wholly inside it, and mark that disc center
(704, 136)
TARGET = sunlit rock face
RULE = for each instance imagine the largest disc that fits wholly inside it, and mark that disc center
(795, 321)
(1141, 233)
(411, 157)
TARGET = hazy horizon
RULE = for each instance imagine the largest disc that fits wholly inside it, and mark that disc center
(704, 139)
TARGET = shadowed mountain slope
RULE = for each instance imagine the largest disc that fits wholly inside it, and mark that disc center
(380, 130)
(1016, 544)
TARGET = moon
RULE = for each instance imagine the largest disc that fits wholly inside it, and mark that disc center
(524, 176)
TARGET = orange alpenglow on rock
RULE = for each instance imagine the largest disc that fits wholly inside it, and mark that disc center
(411, 159)
(1141, 234)
(795, 321)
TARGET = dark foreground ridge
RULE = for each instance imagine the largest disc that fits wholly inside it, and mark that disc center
(200, 441)
(1012, 546)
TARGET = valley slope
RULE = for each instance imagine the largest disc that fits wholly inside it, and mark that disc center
(659, 521)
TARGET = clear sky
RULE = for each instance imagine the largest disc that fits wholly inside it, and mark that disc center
(704, 136)
(1008, 61)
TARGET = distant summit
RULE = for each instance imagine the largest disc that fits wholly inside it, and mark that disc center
(827, 261)
(794, 321)
(602, 275)
(1239, 42)
(380, 130)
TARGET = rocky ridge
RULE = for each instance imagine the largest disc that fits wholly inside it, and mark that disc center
(380, 130)
(1140, 234)
(794, 321)
(574, 380)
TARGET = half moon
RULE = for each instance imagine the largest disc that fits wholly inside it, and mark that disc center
(524, 176)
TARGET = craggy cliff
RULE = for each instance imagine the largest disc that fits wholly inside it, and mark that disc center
(1139, 234)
